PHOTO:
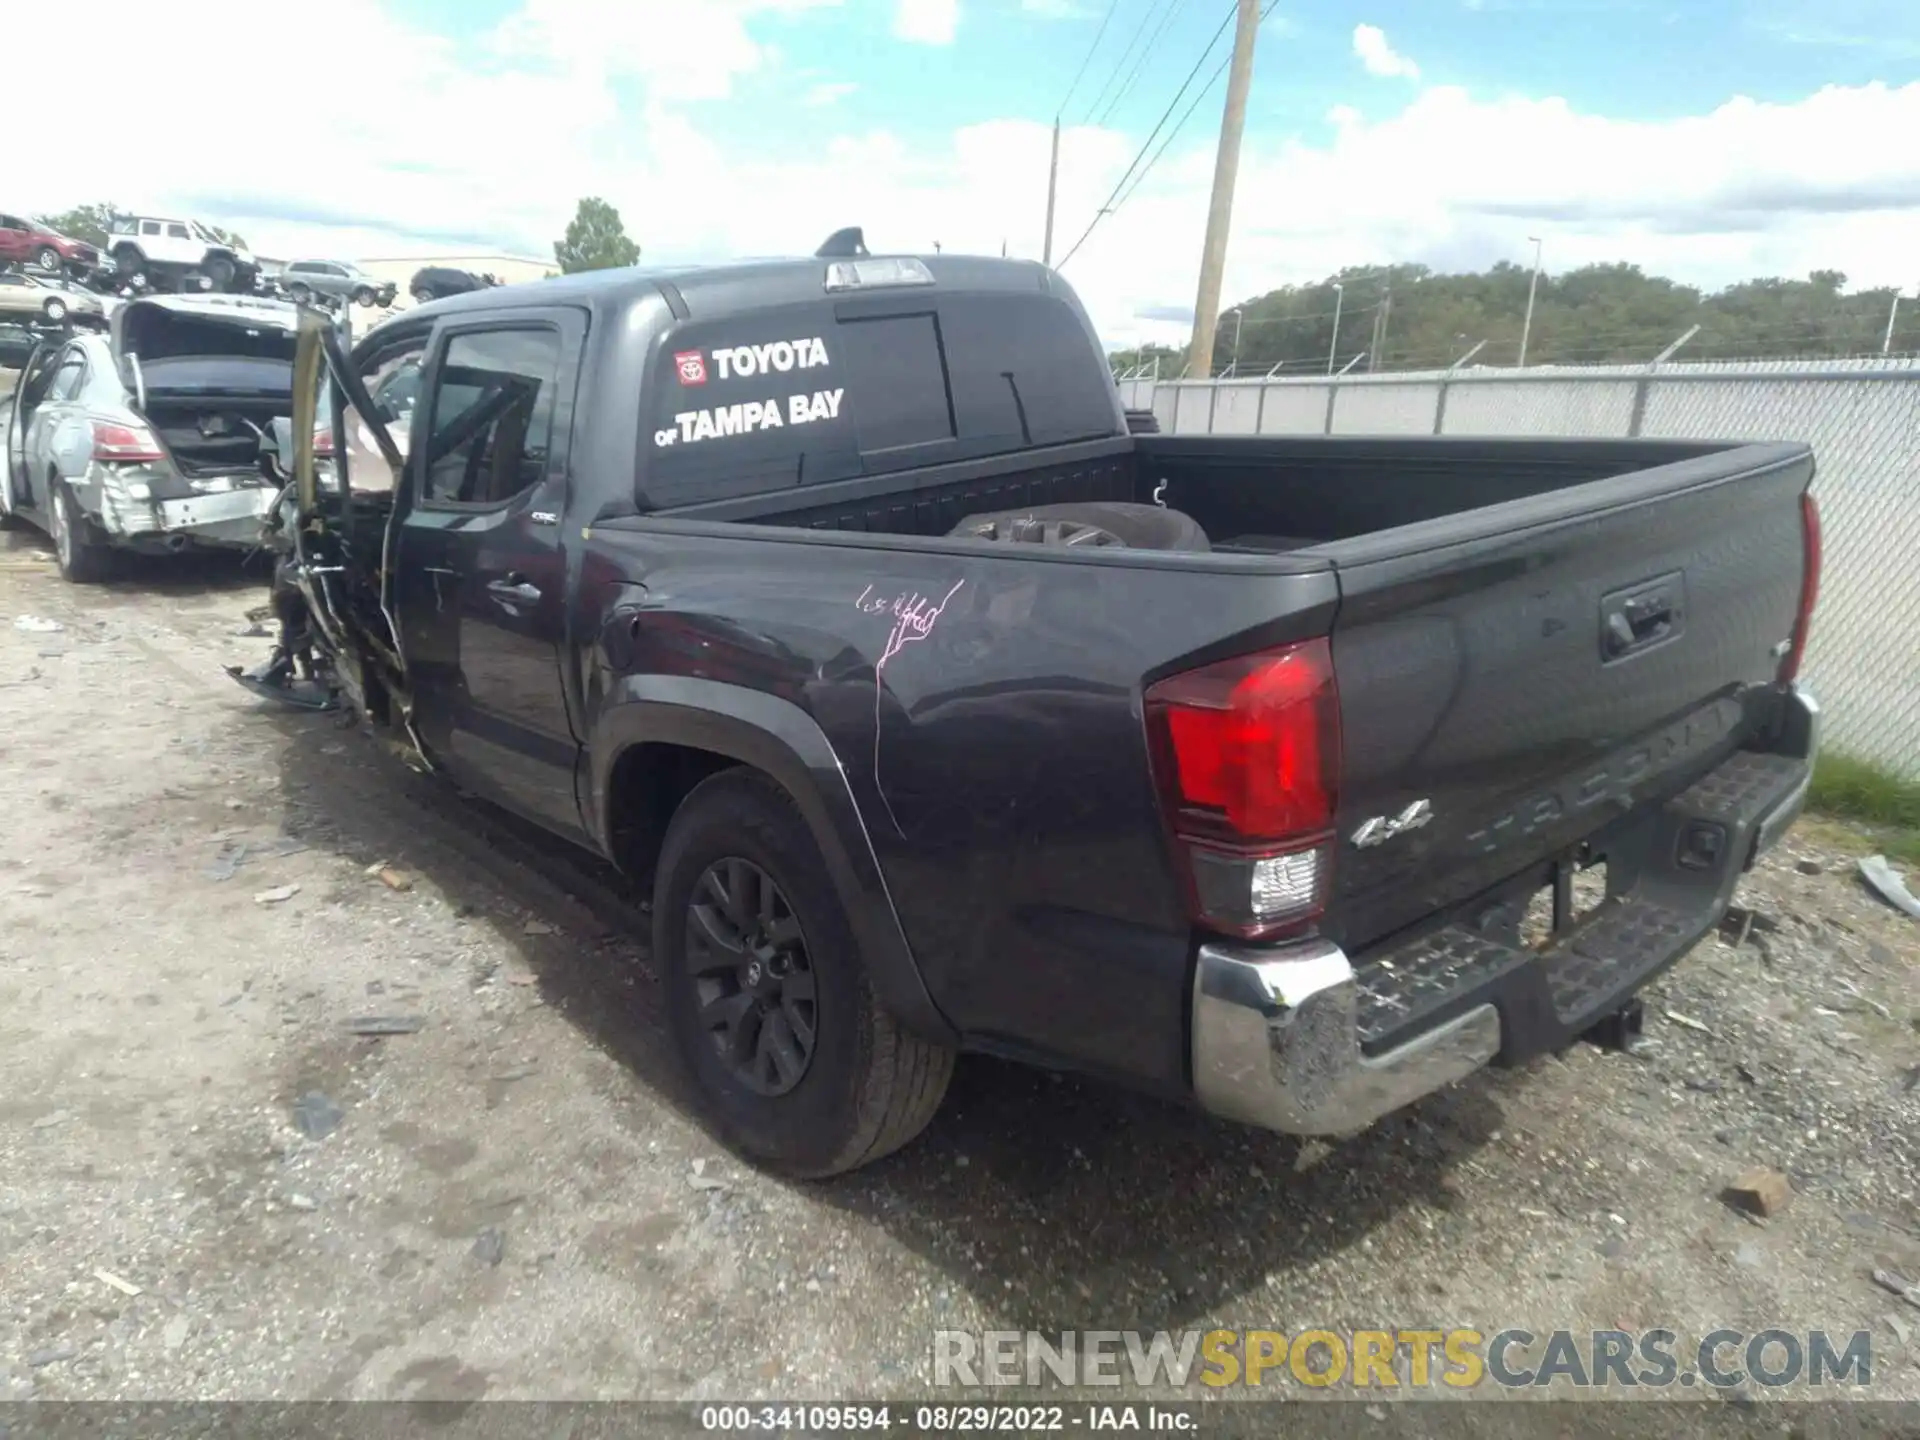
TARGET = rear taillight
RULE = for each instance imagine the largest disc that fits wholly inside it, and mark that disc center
(1809, 587)
(125, 444)
(1247, 756)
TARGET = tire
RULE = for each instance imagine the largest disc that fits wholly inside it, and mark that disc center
(299, 292)
(422, 297)
(1137, 527)
(220, 271)
(866, 1087)
(363, 296)
(56, 310)
(48, 258)
(83, 560)
(129, 262)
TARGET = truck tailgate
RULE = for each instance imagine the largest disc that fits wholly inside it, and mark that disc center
(1513, 677)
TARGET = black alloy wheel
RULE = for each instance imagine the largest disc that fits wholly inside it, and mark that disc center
(753, 979)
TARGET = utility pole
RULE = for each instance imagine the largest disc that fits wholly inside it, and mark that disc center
(1893, 313)
(1526, 326)
(1053, 186)
(1339, 298)
(1226, 168)
(1239, 318)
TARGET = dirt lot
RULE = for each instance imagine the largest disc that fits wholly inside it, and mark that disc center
(511, 1200)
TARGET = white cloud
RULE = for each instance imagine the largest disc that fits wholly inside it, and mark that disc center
(1380, 58)
(829, 92)
(926, 22)
(1450, 179)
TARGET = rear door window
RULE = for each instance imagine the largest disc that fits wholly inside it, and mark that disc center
(819, 392)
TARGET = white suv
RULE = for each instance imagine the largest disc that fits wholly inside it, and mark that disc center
(171, 254)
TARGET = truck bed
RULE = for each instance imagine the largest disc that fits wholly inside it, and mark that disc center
(1252, 496)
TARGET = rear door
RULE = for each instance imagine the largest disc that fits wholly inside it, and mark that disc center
(28, 394)
(16, 241)
(1507, 687)
(481, 578)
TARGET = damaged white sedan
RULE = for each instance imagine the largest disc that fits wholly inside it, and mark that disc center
(168, 433)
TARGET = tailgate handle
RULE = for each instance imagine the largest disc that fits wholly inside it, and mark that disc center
(1635, 619)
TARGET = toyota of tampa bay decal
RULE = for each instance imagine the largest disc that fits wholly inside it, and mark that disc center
(694, 368)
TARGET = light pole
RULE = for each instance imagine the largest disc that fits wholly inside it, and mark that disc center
(1333, 348)
(1239, 318)
(1893, 313)
(1526, 327)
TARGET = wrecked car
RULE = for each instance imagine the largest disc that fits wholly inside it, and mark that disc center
(933, 708)
(46, 297)
(159, 435)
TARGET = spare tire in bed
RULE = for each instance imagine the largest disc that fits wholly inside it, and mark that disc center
(1090, 522)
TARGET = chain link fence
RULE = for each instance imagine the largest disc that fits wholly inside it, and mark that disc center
(1861, 417)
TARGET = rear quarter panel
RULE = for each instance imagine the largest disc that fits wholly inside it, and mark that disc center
(985, 709)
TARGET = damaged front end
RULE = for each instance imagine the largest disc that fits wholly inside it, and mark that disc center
(336, 642)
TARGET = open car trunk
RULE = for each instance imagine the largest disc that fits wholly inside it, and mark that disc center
(210, 376)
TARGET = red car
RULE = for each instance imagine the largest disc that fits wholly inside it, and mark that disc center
(28, 242)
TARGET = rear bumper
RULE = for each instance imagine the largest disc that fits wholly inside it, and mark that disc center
(222, 519)
(1302, 1039)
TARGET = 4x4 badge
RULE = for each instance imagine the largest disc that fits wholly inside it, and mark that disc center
(1383, 828)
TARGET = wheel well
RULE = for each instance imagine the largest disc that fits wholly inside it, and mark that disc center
(647, 785)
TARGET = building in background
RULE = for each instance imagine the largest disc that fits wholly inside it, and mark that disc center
(509, 269)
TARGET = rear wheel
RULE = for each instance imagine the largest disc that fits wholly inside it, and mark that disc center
(83, 560)
(767, 1000)
(47, 258)
(220, 271)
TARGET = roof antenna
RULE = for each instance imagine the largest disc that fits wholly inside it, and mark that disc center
(843, 244)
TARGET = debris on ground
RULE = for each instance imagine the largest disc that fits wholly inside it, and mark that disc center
(37, 625)
(490, 1246)
(47, 1122)
(125, 1287)
(1898, 1285)
(386, 1025)
(316, 1115)
(1689, 1022)
(536, 927)
(395, 879)
(1759, 1192)
(52, 1355)
(1885, 882)
(276, 895)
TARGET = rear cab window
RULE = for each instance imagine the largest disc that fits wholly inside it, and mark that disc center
(842, 387)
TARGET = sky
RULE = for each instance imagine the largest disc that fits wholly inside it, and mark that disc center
(1704, 139)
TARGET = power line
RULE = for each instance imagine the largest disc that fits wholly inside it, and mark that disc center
(1146, 18)
(1108, 207)
(1080, 74)
(1205, 90)
(1146, 51)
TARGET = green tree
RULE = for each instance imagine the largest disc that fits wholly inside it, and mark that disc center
(595, 240)
(1405, 317)
(88, 223)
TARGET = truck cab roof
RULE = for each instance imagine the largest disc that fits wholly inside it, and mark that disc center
(711, 290)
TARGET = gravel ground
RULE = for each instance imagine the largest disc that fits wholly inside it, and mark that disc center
(210, 1187)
